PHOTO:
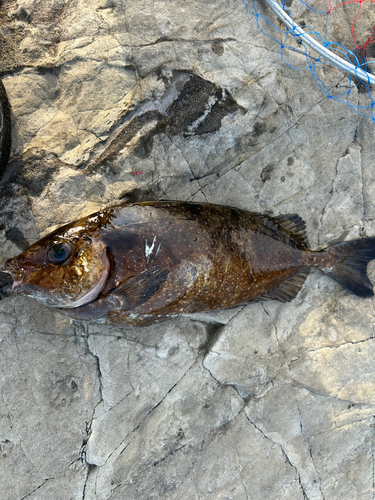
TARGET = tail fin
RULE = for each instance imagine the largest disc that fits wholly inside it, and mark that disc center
(350, 267)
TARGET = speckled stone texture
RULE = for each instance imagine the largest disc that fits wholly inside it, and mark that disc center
(115, 100)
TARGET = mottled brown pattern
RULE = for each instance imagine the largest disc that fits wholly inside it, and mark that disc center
(205, 257)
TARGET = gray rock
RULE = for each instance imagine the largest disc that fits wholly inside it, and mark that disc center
(49, 391)
(145, 372)
(232, 362)
(128, 100)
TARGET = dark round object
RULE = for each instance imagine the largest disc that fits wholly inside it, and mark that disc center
(5, 130)
(6, 282)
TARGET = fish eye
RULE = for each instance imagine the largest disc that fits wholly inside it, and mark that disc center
(58, 253)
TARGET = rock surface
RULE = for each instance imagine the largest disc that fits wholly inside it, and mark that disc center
(113, 100)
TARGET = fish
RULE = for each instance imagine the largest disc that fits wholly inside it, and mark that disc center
(139, 263)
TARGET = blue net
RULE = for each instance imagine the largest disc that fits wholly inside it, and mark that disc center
(335, 43)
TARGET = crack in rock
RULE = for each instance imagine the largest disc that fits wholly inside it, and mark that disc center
(283, 452)
(344, 209)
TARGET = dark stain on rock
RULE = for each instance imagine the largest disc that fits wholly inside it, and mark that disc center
(47, 12)
(109, 5)
(217, 48)
(140, 194)
(370, 52)
(5, 447)
(74, 385)
(244, 143)
(259, 128)
(21, 14)
(6, 282)
(197, 108)
(266, 173)
(290, 160)
(143, 146)
(272, 129)
(5, 129)
(250, 139)
(62, 391)
(17, 237)
(45, 16)
(35, 171)
(189, 106)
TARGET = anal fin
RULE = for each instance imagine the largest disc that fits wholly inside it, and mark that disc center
(289, 289)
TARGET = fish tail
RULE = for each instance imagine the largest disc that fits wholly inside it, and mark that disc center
(350, 265)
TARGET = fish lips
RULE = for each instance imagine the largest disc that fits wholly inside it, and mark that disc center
(18, 275)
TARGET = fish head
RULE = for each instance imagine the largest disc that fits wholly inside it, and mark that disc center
(67, 268)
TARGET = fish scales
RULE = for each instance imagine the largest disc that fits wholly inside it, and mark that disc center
(140, 263)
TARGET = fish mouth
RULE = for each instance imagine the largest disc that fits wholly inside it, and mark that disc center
(11, 279)
(18, 275)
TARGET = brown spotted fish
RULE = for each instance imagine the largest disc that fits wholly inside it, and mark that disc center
(140, 263)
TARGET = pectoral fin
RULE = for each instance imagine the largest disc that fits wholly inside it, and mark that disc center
(135, 291)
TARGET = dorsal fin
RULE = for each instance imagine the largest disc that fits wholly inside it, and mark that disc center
(294, 226)
(289, 289)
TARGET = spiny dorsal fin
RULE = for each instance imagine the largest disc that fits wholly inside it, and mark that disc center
(295, 227)
(289, 289)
